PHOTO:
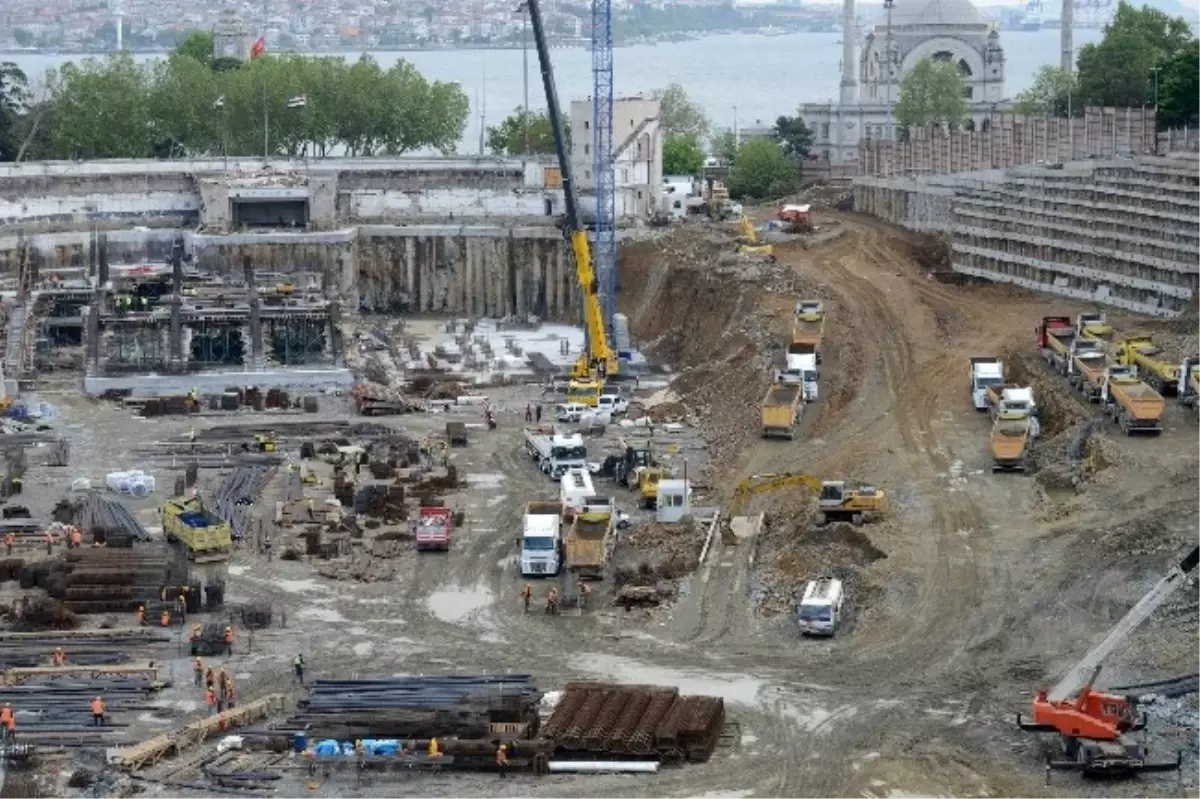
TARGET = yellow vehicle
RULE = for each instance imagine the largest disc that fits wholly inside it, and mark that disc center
(1009, 443)
(589, 540)
(1093, 325)
(836, 502)
(286, 287)
(646, 484)
(186, 520)
(750, 244)
(1140, 351)
(264, 443)
(585, 391)
(781, 409)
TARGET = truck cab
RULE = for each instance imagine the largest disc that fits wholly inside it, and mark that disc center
(984, 372)
(820, 609)
(541, 540)
(576, 488)
(566, 452)
(435, 529)
(802, 371)
(585, 392)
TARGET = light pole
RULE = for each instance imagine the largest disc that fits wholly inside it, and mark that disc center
(887, 6)
(1156, 71)
(735, 129)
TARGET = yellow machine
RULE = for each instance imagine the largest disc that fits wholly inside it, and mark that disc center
(286, 287)
(206, 536)
(836, 502)
(264, 442)
(600, 362)
(585, 390)
(1140, 351)
(646, 484)
(749, 243)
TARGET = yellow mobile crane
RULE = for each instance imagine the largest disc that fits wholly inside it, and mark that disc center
(600, 362)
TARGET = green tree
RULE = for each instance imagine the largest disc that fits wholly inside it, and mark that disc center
(794, 137)
(1179, 90)
(14, 101)
(682, 154)
(723, 145)
(1050, 93)
(761, 170)
(197, 45)
(933, 93)
(678, 113)
(508, 138)
(1119, 69)
(102, 109)
(182, 94)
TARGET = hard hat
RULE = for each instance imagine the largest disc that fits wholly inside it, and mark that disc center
(141, 607)
(97, 699)
(503, 747)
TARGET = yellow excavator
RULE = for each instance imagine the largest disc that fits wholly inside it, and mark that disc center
(750, 244)
(835, 500)
(600, 362)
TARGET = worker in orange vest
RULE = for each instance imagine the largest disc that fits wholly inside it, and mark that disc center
(198, 668)
(228, 640)
(49, 543)
(9, 721)
(209, 679)
(210, 699)
(165, 619)
(76, 538)
(552, 601)
(502, 760)
(59, 658)
(9, 540)
(141, 616)
(98, 711)
(527, 595)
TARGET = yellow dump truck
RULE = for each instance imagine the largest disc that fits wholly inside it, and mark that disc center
(1140, 351)
(1088, 365)
(590, 540)
(1011, 434)
(781, 409)
(1132, 404)
(1093, 325)
(205, 535)
(808, 327)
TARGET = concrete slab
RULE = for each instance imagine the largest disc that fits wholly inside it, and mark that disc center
(208, 382)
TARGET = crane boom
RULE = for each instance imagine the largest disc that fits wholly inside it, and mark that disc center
(1085, 670)
(600, 356)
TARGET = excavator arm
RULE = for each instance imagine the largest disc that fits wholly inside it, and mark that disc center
(600, 357)
(762, 483)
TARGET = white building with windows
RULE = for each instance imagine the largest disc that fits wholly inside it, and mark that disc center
(637, 155)
(945, 30)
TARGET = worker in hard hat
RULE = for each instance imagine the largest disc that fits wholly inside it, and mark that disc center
(9, 540)
(98, 712)
(210, 701)
(298, 665)
(198, 670)
(502, 760)
(552, 601)
(527, 595)
(165, 618)
(59, 658)
(228, 640)
(8, 721)
(141, 616)
(435, 754)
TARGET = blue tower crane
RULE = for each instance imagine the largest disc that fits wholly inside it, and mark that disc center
(605, 251)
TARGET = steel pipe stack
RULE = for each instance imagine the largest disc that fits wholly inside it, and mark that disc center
(418, 707)
(238, 493)
(101, 517)
(103, 580)
(58, 711)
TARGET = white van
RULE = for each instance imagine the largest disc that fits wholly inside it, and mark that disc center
(570, 411)
(820, 608)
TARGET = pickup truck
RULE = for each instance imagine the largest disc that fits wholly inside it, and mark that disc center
(781, 409)
(1140, 351)
(590, 539)
(1088, 363)
(434, 529)
(985, 371)
(1132, 404)
(1009, 398)
(541, 539)
(808, 327)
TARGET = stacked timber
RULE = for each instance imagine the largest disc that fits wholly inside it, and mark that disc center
(636, 720)
(465, 707)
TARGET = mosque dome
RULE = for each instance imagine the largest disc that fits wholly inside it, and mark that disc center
(936, 12)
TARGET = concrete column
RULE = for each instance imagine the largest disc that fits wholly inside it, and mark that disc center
(335, 332)
(91, 343)
(175, 335)
(91, 270)
(255, 333)
(101, 261)
(849, 95)
(177, 269)
(248, 272)
(1067, 42)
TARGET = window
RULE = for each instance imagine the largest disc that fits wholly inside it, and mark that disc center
(639, 194)
(825, 131)
(587, 173)
(587, 148)
(969, 92)
(624, 175)
(677, 205)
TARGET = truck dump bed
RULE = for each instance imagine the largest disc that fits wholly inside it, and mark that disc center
(1141, 401)
(588, 542)
(1009, 441)
(779, 408)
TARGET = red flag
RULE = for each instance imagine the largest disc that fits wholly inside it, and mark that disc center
(259, 47)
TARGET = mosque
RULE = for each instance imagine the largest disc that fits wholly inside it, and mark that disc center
(945, 30)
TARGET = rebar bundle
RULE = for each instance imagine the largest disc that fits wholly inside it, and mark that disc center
(237, 495)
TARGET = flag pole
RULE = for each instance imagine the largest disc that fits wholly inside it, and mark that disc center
(266, 128)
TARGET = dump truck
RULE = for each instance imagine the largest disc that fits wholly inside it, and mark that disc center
(541, 539)
(1189, 382)
(1088, 364)
(590, 539)
(1140, 351)
(1012, 432)
(206, 535)
(781, 409)
(1055, 335)
(808, 327)
(1008, 398)
(801, 371)
(1093, 325)
(1132, 404)
(985, 371)
(434, 529)
(553, 452)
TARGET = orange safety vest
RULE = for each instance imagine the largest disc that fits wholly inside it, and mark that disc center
(49, 537)
(6, 716)
(97, 707)
(229, 635)
(76, 537)
(210, 698)
(10, 539)
(501, 757)
(166, 618)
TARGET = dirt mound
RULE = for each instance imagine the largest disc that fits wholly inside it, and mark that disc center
(652, 552)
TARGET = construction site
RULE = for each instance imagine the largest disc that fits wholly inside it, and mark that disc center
(889, 489)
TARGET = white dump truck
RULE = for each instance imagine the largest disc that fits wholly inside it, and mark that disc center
(541, 539)
(985, 371)
(802, 371)
(554, 452)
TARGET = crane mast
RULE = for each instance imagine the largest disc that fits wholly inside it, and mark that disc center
(602, 147)
(600, 360)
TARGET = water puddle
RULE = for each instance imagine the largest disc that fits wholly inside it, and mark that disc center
(458, 603)
(321, 614)
(364, 648)
(485, 480)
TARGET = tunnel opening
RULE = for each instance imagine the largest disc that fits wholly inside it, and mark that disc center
(215, 345)
(269, 213)
(298, 341)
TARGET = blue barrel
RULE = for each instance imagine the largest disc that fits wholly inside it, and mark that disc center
(299, 742)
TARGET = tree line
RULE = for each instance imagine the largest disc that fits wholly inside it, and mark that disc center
(191, 105)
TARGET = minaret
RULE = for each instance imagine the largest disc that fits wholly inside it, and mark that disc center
(120, 13)
(1068, 44)
(849, 65)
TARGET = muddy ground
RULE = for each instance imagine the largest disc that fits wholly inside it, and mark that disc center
(976, 590)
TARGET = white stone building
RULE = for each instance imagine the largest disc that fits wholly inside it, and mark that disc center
(945, 30)
(637, 155)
